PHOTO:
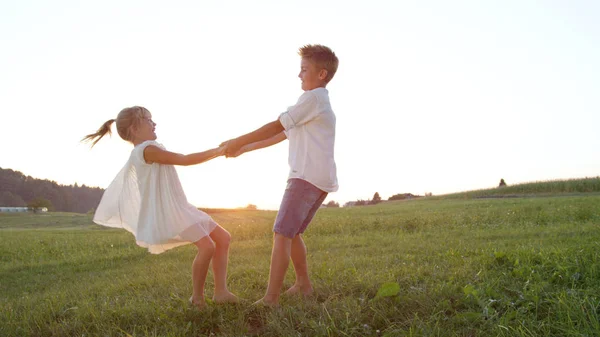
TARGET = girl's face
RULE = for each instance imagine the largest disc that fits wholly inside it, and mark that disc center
(145, 130)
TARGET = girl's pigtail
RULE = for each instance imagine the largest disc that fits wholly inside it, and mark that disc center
(103, 130)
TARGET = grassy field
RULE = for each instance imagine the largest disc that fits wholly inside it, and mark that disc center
(428, 267)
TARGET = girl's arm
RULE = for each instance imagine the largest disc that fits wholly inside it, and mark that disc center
(154, 154)
(262, 144)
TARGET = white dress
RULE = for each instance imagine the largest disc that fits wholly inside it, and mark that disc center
(148, 201)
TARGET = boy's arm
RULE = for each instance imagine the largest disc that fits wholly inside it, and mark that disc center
(154, 154)
(265, 132)
(261, 144)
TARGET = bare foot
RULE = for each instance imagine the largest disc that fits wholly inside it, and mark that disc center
(298, 289)
(198, 303)
(226, 297)
(267, 303)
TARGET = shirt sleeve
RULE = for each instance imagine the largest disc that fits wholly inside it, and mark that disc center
(303, 112)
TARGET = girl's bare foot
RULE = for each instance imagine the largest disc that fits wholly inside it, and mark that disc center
(225, 297)
(298, 289)
(198, 302)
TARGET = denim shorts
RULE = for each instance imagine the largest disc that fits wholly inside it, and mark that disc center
(300, 202)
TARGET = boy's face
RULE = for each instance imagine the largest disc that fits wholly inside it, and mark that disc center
(311, 76)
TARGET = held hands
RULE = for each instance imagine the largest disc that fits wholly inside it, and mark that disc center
(221, 150)
(231, 148)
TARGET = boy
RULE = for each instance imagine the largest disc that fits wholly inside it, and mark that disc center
(310, 127)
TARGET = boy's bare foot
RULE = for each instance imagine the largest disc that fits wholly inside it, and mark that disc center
(298, 289)
(198, 302)
(225, 297)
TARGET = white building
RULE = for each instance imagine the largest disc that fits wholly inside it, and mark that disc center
(20, 209)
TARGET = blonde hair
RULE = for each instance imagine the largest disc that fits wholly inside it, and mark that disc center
(322, 56)
(126, 119)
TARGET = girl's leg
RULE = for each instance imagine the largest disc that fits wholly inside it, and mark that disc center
(220, 259)
(206, 250)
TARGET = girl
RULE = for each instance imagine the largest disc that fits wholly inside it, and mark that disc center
(146, 199)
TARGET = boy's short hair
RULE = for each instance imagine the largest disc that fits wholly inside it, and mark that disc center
(322, 56)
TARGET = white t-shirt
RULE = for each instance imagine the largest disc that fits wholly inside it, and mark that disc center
(310, 128)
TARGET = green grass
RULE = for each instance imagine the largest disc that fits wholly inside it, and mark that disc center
(456, 267)
(538, 188)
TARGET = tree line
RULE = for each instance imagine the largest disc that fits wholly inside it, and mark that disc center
(19, 190)
(375, 200)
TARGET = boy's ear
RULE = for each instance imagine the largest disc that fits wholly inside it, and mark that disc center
(323, 74)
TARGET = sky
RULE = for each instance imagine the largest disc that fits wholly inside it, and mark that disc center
(430, 96)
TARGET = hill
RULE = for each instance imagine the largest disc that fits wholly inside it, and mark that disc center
(536, 188)
(17, 190)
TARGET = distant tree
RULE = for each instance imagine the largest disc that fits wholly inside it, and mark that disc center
(251, 207)
(38, 203)
(376, 198)
(361, 202)
(399, 196)
(428, 194)
(332, 204)
(502, 183)
(402, 196)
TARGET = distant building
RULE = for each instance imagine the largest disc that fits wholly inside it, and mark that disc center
(21, 209)
(14, 209)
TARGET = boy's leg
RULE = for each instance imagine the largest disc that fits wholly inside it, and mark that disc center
(221, 237)
(296, 211)
(302, 284)
(280, 260)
